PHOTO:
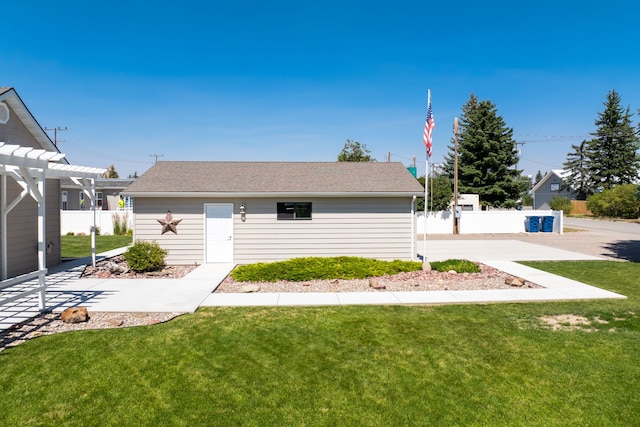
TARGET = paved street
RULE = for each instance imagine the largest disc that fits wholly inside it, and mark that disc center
(617, 240)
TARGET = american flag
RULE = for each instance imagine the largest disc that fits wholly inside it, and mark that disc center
(428, 129)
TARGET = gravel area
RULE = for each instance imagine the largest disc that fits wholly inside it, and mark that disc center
(488, 278)
(116, 267)
(49, 323)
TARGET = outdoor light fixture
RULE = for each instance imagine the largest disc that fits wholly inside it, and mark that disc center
(243, 213)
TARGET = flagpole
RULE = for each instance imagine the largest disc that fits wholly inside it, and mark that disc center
(426, 193)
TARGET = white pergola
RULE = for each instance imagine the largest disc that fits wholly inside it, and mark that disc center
(29, 168)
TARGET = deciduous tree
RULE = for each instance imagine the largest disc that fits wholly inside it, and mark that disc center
(353, 151)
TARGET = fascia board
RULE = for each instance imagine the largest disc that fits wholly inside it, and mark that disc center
(202, 194)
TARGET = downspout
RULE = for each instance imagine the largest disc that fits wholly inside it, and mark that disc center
(413, 228)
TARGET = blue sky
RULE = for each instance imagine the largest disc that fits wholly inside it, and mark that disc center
(293, 80)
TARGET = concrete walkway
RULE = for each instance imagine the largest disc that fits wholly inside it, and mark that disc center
(556, 288)
(185, 295)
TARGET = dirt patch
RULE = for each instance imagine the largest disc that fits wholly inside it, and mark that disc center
(571, 322)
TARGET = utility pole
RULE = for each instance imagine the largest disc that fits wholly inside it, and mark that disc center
(156, 156)
(519, 152)
(55, 134)
(455, 178)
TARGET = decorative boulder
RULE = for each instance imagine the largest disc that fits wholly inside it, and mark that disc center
(515, 281)
(75, 315)
(375, 284)
(247, 289)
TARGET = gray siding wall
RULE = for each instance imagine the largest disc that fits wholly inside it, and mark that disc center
(368, 227)
(544, 195)
(22, 230)
(22, 221)
(14, 132)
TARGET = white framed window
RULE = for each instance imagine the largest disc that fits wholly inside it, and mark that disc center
(81, 203)
(99, 199)
(65, 196)
(555, 186)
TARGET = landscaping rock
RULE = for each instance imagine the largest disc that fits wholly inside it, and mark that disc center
(375, 284)
(515, 281)
(75, 315)
(426, 266)
(247, 289)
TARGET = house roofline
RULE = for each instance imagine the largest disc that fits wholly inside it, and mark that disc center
(11, 96)
(196, 194)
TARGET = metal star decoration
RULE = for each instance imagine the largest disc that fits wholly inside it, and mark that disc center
(169, 224)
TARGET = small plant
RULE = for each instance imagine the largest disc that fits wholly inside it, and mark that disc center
(457, 265)
(561, 204)
(145, 256)
(120, 224)
(70, 233)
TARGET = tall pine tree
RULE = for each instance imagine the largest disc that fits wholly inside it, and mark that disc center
(578, 179)
(487, 155)
(613, 152)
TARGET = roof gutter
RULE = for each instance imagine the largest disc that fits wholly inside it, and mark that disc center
(202, 194)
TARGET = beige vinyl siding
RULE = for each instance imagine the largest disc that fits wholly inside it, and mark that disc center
(186, 247)
(369, 227)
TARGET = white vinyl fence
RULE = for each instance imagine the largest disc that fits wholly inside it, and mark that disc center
(485, 222)
(81, 221)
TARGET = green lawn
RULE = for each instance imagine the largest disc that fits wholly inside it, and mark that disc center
(80, 246)
(494, 364)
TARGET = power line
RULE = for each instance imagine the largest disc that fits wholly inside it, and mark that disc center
(55, 134)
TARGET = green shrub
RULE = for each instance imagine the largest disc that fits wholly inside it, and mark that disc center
(318, 268)
(145, 256)
(457, 265)
(561, 204)
(621, 201)
(70, 233)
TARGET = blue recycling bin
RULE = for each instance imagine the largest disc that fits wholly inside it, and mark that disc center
(532, 224)
(547, 224)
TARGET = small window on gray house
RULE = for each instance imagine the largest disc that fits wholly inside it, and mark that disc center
(294, 210)
(64, 200)
(555, 187)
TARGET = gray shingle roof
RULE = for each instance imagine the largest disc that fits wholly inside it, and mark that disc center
(275, 177)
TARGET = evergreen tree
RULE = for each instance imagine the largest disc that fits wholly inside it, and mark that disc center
(538, 178)
(353, 151)
(577, 168)
(487, 156)
(613, 152)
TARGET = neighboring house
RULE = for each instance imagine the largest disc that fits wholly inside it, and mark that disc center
(30, 167)
(108, 192)
(552, 185)
(244, 212)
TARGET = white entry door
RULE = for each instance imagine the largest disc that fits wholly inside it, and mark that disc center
(218, 232)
